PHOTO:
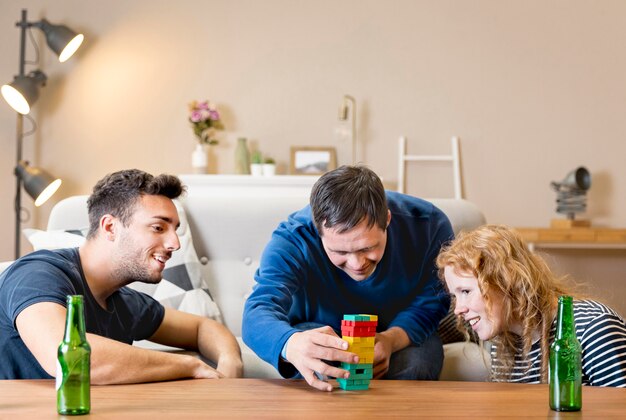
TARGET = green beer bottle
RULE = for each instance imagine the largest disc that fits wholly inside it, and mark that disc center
(565, 377)
(73, 362)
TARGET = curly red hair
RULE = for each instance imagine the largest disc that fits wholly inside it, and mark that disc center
(503, 265)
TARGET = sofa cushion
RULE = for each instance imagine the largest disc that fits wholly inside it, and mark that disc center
(465, 361)
(4, 265)
(183, 286)
(231, 282)
(53, 239)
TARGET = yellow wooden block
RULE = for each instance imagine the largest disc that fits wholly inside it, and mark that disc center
(361, 340)
(361, 345)
(355, 348)
(361, 350)
(365, 355)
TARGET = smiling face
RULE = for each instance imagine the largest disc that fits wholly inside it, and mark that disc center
(145, 245)
(470, 304)
(358, 251)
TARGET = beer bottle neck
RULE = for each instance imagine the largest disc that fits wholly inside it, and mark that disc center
(565, 318)
(75, 320)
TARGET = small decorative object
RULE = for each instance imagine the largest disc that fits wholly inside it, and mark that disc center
(242, 157)
(269, 167)
(359, 331)
(199, 159)
(256, 163)
(205, 120)
(571, 198)
(312, 160)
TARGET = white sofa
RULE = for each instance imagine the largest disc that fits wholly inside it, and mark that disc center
(231, 220)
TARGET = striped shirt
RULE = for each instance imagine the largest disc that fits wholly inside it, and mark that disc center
(602, 335)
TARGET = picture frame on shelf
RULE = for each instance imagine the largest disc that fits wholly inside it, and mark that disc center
(311, 160)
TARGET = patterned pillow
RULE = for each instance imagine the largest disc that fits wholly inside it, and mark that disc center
(183, 286)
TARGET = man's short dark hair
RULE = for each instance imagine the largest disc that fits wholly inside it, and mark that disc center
(342, 198)
(117, 194)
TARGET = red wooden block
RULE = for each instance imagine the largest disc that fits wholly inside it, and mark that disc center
(358, 331)
(359, 323)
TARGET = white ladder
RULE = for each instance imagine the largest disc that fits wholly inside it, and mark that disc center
(453, 157)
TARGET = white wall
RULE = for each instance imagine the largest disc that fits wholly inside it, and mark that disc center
(533, 89)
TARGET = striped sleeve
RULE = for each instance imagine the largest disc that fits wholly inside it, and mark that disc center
(602, 335)
(604, 351)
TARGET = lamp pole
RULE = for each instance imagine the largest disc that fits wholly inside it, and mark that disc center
(21, 94)
(23, 24)
(353, 103)
(18, 186)
(344, 115)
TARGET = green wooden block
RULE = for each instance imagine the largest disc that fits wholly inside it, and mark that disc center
(353, 385)
(351, 366)
(356, 387)
(360, 317)
(365, 374)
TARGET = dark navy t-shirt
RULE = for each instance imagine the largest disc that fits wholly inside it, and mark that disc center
(49, 276)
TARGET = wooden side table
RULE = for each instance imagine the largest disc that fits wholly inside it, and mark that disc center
(576, 238)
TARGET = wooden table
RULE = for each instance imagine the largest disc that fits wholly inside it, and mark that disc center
(287, 399)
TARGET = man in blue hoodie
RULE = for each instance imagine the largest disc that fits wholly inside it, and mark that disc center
(354, 249)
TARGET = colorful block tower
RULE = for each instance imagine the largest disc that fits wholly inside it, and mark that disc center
(359, 331)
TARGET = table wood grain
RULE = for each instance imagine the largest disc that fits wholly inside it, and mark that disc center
(294, 399)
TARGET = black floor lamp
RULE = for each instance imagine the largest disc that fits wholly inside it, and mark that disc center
(21, 94)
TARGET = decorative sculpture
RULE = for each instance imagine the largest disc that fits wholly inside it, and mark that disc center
(572, 197)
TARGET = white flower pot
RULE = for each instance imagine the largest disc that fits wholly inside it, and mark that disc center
(269, 169)
(256, 169)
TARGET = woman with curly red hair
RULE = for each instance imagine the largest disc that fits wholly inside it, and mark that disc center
(508, 295)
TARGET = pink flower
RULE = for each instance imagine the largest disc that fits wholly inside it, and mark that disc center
(205, 114)
(196, 116)
(204, 119)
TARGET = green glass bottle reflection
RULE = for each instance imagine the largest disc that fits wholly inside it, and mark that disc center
(565, 377)
(73, 362)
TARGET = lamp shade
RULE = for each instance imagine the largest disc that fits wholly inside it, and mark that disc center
(61, 39)
(579, 178)
(23, 92)
(39, 184)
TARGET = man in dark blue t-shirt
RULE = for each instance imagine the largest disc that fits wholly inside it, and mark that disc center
(132, 234)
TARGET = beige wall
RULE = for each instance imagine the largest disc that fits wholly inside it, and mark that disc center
(532, 88)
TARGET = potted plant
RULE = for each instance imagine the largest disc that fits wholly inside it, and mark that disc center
(269, 167)
(256, 163)
(205, 120)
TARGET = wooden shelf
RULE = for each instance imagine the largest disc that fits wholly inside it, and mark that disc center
(576, 237)
(254, 186)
